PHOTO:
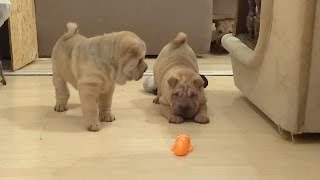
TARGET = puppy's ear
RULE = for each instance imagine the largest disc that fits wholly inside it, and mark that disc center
(134, 49)
(198, 82)
(205, 80)
(172, 81)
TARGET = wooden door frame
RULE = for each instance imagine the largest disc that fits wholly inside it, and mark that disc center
(22, 33)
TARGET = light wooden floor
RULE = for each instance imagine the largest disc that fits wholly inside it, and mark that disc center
(239, 143)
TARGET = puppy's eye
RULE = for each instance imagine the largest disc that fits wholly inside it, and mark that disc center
(175, 94)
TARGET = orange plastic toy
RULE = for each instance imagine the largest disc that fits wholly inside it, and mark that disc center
(182, 146)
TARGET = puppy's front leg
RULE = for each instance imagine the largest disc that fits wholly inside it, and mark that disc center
(105, 101)
(166, 112)
(202, 116)
(88, 97)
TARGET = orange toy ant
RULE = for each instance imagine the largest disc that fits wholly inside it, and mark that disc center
(182, 146)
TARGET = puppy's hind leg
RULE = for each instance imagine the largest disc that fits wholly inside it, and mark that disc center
(62, 93)
(156, 100)
(105, 101)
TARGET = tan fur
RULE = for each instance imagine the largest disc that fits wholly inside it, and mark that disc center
(224, 26)
(93, 66)
(180, 87)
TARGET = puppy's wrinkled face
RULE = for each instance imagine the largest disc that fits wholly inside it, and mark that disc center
(132, 62)
(185, 95)
(224, 26)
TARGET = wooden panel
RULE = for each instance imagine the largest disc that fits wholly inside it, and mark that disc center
(4, 39)
(23, 33)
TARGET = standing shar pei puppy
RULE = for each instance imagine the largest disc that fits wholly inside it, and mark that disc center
(180, 87)
(93, 66)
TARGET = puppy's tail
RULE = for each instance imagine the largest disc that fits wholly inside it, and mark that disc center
(72, 29)
(180, 39)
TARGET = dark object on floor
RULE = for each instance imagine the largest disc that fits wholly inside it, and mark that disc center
(3, 80)
(205, 80)
(217, 48)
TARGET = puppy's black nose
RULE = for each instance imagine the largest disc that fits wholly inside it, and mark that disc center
(145, 70)
(184, 109)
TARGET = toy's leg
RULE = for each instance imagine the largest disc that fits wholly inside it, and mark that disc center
(166, 112)
(190, 148)
(105, 101)
(202, 116)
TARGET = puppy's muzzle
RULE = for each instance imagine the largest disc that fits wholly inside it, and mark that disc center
(141, 73)
(184, 109)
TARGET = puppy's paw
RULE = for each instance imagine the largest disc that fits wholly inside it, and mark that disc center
(3, 81)
(156, 100)
(94, 127)
(60, 107)
(176, 119)
(201, 118)
(106, 117)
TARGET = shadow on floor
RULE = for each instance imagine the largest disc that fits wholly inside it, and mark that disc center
(306, 138)
(44, 118)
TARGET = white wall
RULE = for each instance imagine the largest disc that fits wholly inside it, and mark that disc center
(225, 7)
